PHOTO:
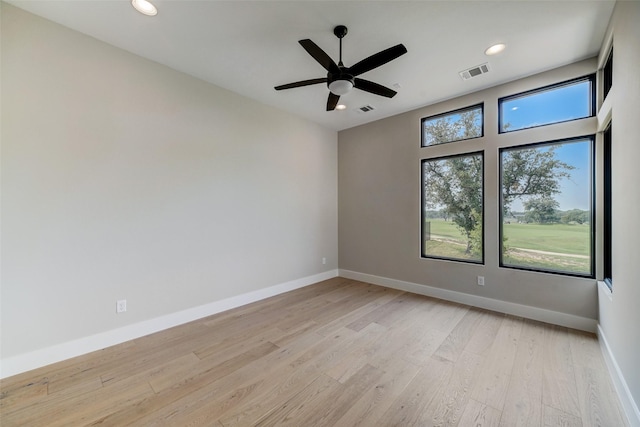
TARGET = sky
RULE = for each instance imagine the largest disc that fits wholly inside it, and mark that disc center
(552, 106)
(566, 103)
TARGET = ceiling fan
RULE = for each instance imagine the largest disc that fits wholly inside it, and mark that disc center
(341, 79)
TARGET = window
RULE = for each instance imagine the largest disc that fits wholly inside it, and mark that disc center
(458, 125)
(452, 208)
(562, 102)
(546, 188)
(608, 217)
(546, 219)
(607, 75)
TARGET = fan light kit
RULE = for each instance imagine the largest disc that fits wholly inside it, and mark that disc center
(340, 79)
(341, 87)
(144, 7)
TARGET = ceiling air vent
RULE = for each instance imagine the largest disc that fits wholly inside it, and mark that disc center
(474, 71)
(366, 108)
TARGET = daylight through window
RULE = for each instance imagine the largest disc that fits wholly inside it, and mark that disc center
(553, 104)
(452, 207)
(547, 207)
(456, 125)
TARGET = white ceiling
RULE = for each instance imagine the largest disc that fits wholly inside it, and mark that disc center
(251, 46)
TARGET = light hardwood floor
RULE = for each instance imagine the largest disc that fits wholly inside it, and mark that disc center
(337, 353)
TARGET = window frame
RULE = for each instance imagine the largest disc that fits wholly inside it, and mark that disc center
(481, 153)
(450, 113)
(591, 78)
(592, 216)
(607, 213)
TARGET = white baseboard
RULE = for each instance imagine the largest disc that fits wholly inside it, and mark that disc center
(535, 313)
(628, 404)
(46, 356)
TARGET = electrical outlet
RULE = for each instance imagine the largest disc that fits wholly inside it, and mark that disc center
(121, 306)
(324, 260)
(480, 280)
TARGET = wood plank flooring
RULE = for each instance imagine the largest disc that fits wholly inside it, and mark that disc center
(337, 353)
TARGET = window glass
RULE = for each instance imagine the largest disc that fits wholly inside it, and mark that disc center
(607, 75)
(554, 104)
(452, 208)
(547, 213)
(456, 125)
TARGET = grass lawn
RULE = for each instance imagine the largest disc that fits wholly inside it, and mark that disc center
(446, 229)
(517, 258)
(571, 239)
(445, 249)
(448, 242)
(561, 238)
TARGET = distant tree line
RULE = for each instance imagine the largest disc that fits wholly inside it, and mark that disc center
(546, 212)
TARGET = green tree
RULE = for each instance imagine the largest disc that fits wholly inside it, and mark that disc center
(475, 236)
(456, 184)
(543, 210)
(445, 129)
(575, 215)
(531, 172)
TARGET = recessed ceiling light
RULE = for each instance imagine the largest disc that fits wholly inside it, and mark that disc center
(495, 49)
(341, 107)
(144, 7)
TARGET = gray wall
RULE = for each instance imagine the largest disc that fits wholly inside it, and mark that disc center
(379, 202)
(620, 316)
(122, 178)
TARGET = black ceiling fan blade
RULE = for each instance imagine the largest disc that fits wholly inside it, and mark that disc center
(378, 59)
(301, 83)
(332, 101)
(374, 88)
(319, 55)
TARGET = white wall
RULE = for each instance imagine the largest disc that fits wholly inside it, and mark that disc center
(620, 315)
(124, 179)
(379, 209)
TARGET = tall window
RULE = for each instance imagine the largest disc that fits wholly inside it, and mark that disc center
(458, 125)
(547, 207)
(452, 207)
(608, 217)
(561, 102)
